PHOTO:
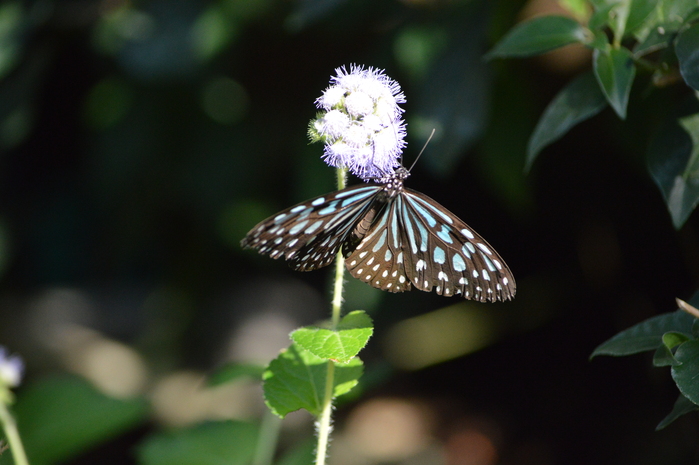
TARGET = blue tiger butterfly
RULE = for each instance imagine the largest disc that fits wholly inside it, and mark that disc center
(392, 238)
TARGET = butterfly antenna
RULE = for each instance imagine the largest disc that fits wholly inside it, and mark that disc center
(423, 149)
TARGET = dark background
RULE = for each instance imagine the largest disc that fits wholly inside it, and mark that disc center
(140, 141)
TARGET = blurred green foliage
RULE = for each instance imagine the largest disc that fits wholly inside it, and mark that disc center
(139, 141)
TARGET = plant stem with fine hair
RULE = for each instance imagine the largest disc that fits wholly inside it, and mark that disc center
(325, 420)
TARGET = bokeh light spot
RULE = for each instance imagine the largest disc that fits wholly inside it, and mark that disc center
(224, 100)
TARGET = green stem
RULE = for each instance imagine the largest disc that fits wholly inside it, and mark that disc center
(325, 420)
(10, 427)
(267, 440)
(325, 416)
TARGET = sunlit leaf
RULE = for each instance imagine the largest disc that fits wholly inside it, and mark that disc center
(539, 35)
(342, 344)
(296, 380)
(578, 101)
(618, 17)
(615, 71)
(580, 9)
(216, 443)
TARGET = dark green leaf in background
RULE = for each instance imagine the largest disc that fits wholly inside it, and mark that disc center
(615, 71)
(618, 17)
(663, 357)
(687, 49)
(686, 374)
(658, 38)
(578, 101)
(296, 380)
(59, 418)
(454, 98)
(681, 407)
(600, 17)
(302, 454)
(676, 11)
(639, 13)
(674, 164)
(233, 371)
(215, 443)
(646, 335)
(539, 35)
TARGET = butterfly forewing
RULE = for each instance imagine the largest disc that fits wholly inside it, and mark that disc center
(310, 234)
(456, 260)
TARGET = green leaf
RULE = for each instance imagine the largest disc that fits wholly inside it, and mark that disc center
(296, 380)
(59, 418)
(578, 8)
(615, 71)
(617, 20)
(687, 49)
(639, 13)
(674, 164)
(578, 101)
(663, 357)
(670, 17)
(681, 407)
(215, 443)
(672, 339)
(659, 37)
(685, 375)
(340, 345)
(301, 454)
(233, 371)
(676, 11)
(539, 35)
(600, 18)
(646, 335)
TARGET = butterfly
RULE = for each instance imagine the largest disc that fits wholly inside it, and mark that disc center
(393, 238)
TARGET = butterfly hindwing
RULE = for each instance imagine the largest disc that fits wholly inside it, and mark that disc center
(417, 242)
(455, 259)
(309, 235)
(379, 259)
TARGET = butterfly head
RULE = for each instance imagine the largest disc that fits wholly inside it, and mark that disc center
(393, 183)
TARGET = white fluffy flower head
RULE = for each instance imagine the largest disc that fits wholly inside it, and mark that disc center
(11, 369)
(360, 122)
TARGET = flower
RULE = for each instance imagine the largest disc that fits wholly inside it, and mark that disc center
(360, 122)
(11, 368)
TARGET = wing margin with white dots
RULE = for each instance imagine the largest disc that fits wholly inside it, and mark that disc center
(309, 234)
(422, 244)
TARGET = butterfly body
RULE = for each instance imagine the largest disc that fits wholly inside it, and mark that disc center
(392, 238)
